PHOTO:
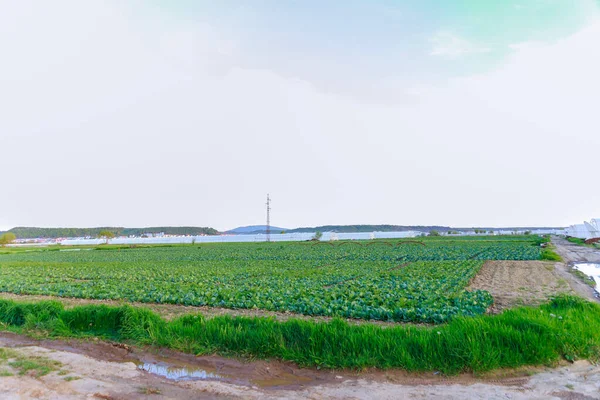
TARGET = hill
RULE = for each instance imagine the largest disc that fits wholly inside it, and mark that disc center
(254, 229)
(53, 233)
(399, 228)
(369, 228)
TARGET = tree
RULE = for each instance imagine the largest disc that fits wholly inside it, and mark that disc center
(434, 233)
(7, 238)
(106, 235)
(318, 235)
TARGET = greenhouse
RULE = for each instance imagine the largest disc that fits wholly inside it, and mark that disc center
(587, 230)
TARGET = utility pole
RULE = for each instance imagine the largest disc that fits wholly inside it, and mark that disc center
(268, 218)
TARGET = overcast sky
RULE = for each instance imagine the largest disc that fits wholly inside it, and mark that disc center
(160, 112)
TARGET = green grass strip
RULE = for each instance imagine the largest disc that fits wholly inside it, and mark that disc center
(566, 328)
(576, 240)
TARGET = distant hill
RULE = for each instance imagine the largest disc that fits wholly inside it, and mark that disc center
(53, 233)
(397, 228)
(370, 228)
(254, 229)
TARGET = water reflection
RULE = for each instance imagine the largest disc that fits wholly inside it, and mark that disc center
(178, 373)
(590, 269)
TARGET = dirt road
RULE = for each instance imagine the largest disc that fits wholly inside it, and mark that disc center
(96, 370)
(572, 253)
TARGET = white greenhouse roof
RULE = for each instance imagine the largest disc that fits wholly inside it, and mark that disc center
(587, 230)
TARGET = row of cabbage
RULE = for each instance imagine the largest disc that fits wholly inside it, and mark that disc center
(390, 281)
(310, 253)
(420, 291)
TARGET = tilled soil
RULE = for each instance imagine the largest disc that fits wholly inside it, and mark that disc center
(514, 283)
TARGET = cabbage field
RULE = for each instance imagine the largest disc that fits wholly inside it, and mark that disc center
(401, 280)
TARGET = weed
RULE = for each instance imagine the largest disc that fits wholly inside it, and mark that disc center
(565, 328)
(586, 279)
(149, 390)
(549, 254)
(36, 366)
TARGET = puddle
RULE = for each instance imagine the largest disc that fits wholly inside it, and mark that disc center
(271, 376)
(178, 373)
(590, 269)
(86, 249)
(176, 366)
(266, 375)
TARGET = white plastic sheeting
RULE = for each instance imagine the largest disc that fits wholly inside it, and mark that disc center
(587, 230)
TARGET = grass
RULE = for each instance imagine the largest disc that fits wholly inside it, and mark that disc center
(581, 242)
(549, 254)
(586, 279)
(39, 365)
(564, 329)
(27, 365)
(576, 240)
(148, 390)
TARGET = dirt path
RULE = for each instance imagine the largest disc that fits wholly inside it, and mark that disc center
(514, 283)
(572, 253)
(81, 377)
(96, 370)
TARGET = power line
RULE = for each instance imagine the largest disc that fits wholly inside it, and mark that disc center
(268, 218)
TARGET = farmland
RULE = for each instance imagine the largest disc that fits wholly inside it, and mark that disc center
(401, 281)
(397, 281)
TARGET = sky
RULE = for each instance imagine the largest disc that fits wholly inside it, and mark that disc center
(161, 113)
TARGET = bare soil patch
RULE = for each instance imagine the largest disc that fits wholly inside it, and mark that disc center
(85, 372)
(514, 283)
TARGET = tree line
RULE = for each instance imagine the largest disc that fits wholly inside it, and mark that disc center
(53, 233)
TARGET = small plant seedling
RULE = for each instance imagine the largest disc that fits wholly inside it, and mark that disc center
(149, 390)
